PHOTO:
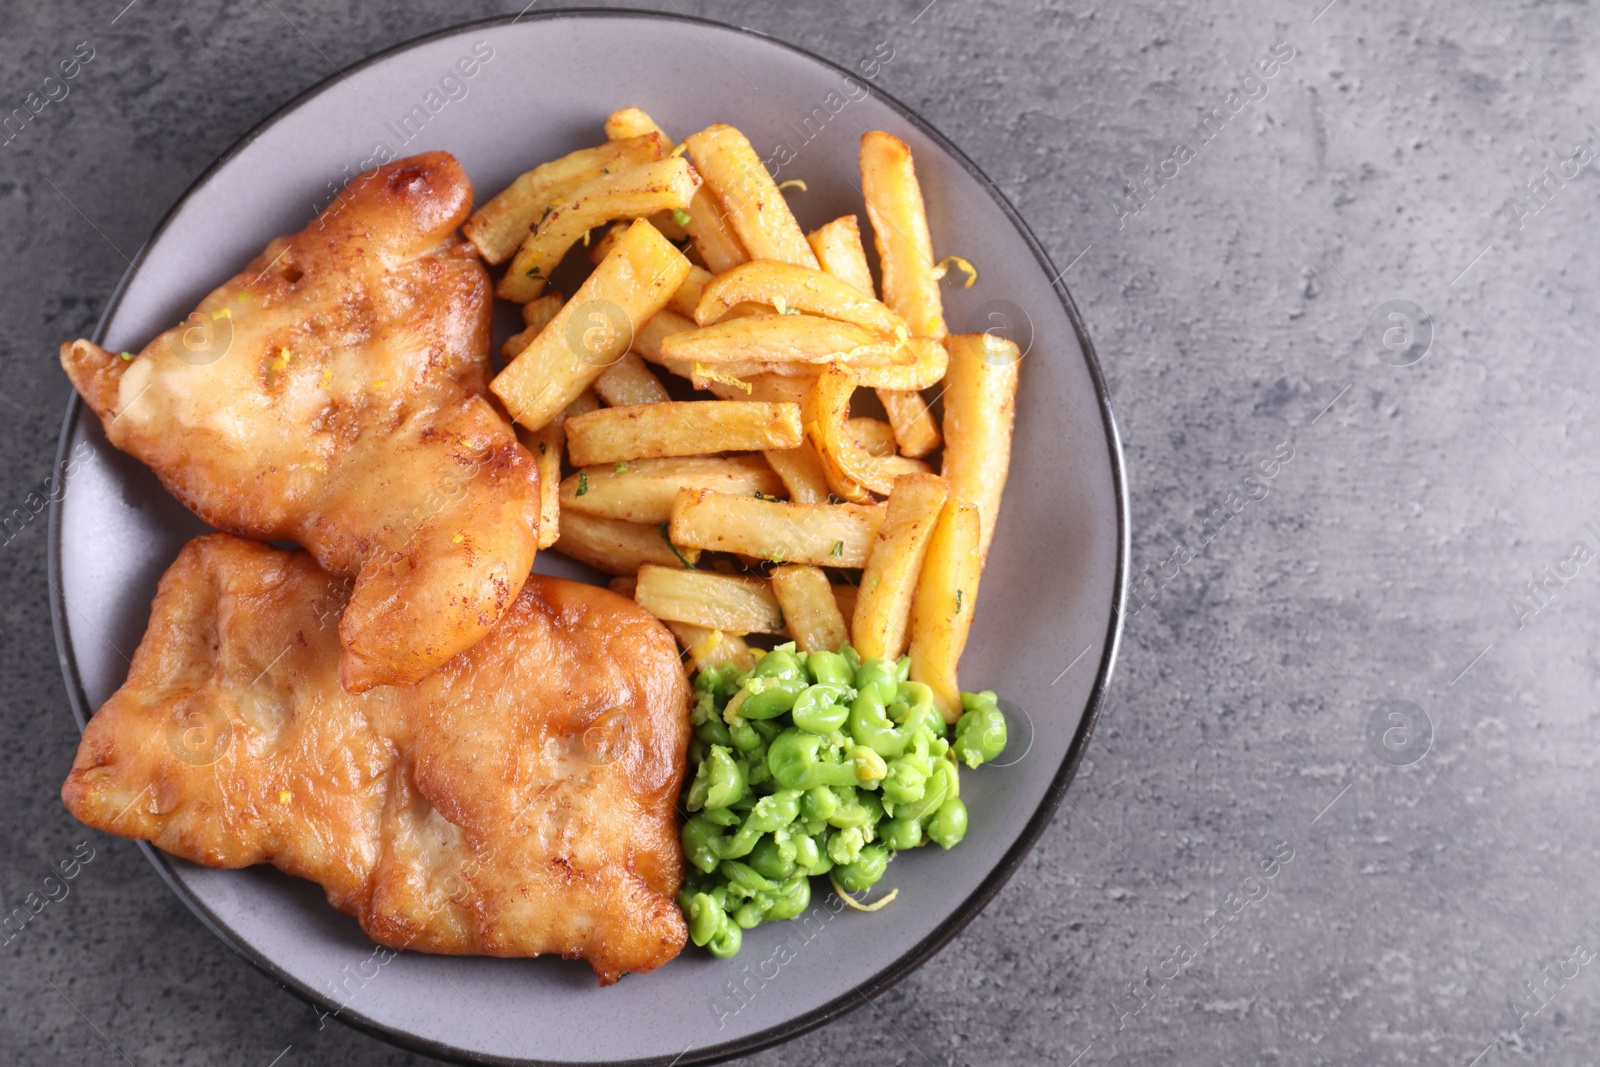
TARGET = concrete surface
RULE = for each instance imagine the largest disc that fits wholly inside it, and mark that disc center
(1340, 808)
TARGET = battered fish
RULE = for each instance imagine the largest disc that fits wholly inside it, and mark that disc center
(335, 394)
(520, 801)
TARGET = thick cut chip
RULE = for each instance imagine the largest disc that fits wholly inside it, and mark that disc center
(883, 610)
(825, 535)
(681, 428)
(595, 327)
(714, 601)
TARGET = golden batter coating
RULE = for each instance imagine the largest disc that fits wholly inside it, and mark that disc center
(335, 394)
(520, 801)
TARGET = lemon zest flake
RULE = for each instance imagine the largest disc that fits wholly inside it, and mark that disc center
(942, 268)
(710, 375)
(876, 905)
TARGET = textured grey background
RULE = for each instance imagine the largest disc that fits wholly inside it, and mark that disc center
(1440, 860)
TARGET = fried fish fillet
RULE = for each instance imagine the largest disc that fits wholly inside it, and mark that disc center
(335, 394)
(520, 801)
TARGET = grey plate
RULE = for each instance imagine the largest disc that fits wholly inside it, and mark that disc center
(1049, 619)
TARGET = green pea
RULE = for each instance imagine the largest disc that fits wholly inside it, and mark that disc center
(702, 842)
(775, 811)
(806, 853)
(772, 858)
(863, 872)
(797, 760)
(788, 900)
(744, 736)
(845, 845)
(907, 781)
(718, 782)
(869, 766)
(870, 725)
(743, 879)
(879, 673)
(780, 663)
(750, 914)
(874, 807)
(941, 786)
(724, 817)
(902, 668)
(981, 730)
(819, 709)
(727, 940)
(766, 696)
(830, 668)
(705, 919)
(714, 731)
(949, 824)
(819, 802)
(901, 833)
(851, 656)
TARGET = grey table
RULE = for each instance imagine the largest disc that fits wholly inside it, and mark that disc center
(1340, 809)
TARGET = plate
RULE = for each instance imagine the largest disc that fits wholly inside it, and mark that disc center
(1045, 637)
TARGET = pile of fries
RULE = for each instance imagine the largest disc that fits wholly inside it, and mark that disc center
(761, 506)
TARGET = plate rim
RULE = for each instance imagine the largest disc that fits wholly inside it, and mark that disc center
(900, 967)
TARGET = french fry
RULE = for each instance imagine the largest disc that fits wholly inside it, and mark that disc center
(809, 608)
(941, 611)
(874, 435)
(536, 314)
(585, 402)
(681, 428)
(513, 345)
(838, 248)
(773, 338)
(784, 285)
(499, 226)
(643, 490)
(600, 249)
(915, 430)
(546, 445)
(593, 328)
(617, 547)
(715, 601)
(756, 211)
(628, 193)
(801, 472)
(900, 230)
(774, 387)
(687, 298)
(623, 585)
(629, 381)
(707, 227)
(648, 338)
(712, 239)
(852, 471)
(634, 122)
(927, 367)
(823, 535)
(883, 610)
(711, 648)
(846, 595)
(980, 408)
